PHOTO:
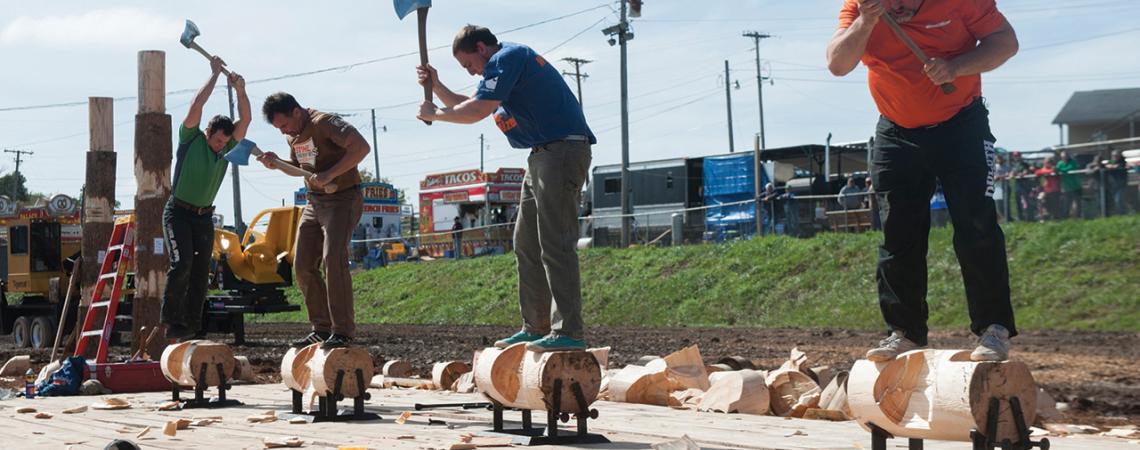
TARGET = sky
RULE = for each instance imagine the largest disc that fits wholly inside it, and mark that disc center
(351, 56)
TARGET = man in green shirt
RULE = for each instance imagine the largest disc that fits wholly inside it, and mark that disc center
(1070, 186)
(188, 218)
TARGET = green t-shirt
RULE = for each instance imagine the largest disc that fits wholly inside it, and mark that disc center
(198, 171)
(1069, 182)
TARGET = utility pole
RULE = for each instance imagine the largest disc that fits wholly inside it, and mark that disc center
(239, 224)
(728, 105)
(376, 146)
(757, 188)
(19, 158)
(481, 147)
(756, 37)
(623, 35)
(578, 75)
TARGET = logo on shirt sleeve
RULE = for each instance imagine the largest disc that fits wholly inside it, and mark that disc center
(491, 83)
(306, 152)
(505, 121)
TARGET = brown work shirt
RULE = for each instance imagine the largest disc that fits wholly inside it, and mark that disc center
(323, 141)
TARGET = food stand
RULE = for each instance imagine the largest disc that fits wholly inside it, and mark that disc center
(486, 204)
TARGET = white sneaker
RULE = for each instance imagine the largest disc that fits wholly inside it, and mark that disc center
(891, 347)
(993, 345)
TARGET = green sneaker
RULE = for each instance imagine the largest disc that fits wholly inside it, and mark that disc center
(521, 336)
(556, 343)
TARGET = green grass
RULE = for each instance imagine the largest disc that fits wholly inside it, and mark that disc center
(1074, 275)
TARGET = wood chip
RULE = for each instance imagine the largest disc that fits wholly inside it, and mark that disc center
(825, 414)
(1063, 429)
(204, 422)
(403, 417)
(298, 421)
(265, 417)
(182, 424)
(279, 442)
(43, 415)
(170, 406)
(142, 433)
(75, 410)
(471, 441)
(25, 410)
(1123, 433)
(685, 443)
(170, 429)
(405, 437)
(112, 404)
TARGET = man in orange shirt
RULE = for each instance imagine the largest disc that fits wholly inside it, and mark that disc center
(925, 135)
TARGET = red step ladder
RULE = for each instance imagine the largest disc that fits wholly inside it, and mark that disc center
(117, 261)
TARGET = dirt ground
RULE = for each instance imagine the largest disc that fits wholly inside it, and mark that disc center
(1096, 374)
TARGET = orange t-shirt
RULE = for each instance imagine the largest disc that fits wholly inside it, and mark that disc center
(943, 29)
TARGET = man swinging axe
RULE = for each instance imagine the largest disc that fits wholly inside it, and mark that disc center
(925, 60)
(534, 107)
(187, 220)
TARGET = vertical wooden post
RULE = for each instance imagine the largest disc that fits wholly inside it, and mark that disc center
(98, 191)
(153, 153)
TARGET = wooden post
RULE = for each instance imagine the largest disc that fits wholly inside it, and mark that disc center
(98, 193)
(153, 153)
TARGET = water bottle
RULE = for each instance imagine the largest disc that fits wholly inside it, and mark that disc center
(29, 384)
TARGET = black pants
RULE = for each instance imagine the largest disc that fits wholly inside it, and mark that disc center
(905, 164)
(189, 242)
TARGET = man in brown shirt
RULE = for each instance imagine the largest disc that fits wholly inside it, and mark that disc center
(330, 148)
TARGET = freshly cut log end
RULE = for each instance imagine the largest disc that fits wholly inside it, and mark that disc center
(641, 384)
(742, 391)
(211, 354)
(518, 378)
(325, 364)
(939, 394)
(295, 367)
(792, 392)
(397, 368)
(171, 361)
(444, 374)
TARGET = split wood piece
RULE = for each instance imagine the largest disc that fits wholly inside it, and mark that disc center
(43, 415)
(281, 442)
(295, 367)
(822, 374)
(243, 370)
(25, 410)
(326, 363)
(645, 360)
(170, 429)
(142, 433)
(75, 410)
(712, 368)
(397, 368)
(465, 384)
(641, 384)
(112, 403)
(687, 370)
(444, 374)
(688, 398)
(497, 372)
(825, 414)
(16, 366)
(602, 354)
(737, 363)
(518, 378)
(383, 382)
(792, 392)
(741, 391)
(939, 394)
(834, 396)
(796, 360)
(265, 417)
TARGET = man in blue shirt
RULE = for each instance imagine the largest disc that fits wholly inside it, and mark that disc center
(535, 109)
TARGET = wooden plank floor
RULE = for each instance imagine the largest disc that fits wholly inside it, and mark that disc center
(627, 426)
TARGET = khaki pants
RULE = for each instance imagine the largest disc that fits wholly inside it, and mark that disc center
(323, 235)
(546, 236)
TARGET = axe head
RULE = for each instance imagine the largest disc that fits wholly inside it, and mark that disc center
(240, 153)
(405, 7)
(189, 33)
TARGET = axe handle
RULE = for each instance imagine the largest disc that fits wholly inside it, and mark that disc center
(947, 88)
(295, 171)
(209, 57)
(421, 15)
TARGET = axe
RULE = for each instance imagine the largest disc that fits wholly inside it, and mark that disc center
(240, 155)
(188, 35)
(405, 7)
(947, 88)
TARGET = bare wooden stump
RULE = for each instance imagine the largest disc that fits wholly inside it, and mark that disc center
(522, 379)
(939, 394)
(740, 391)
(325, 365)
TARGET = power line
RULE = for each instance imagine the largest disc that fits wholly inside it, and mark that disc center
(578, 75)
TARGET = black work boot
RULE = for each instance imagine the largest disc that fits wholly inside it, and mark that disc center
(315, 337)
(336, 341)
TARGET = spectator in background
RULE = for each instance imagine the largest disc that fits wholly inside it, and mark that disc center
(1098, 185)
(457, 235)
(851, 196)
(1051, 188)
(1070, 186)
(1116, 179)
(1022, 173)
(1001, 173)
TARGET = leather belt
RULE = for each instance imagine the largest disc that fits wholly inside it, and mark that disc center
(201, 211)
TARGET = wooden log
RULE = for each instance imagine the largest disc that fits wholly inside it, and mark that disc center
(939, 394)
(742, 391)
(325, 365)
(834, 396)
(397, 368)
(16, 366)
(295, 367)
(171, 360)
(641, 384)
(792, 392)
(181, 363)
(444, 374)
(527, 380)
(98, 196)
(383, 382)
(153, 156)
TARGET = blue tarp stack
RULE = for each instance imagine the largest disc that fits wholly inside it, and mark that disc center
(730, 179)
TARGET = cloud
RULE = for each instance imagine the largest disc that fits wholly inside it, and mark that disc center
(113, 27)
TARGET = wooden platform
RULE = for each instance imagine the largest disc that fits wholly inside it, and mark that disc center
(627, 426)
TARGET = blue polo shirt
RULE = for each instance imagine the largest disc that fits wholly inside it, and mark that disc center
(537, 106)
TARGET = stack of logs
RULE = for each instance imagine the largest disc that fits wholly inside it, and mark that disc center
(733, 385)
